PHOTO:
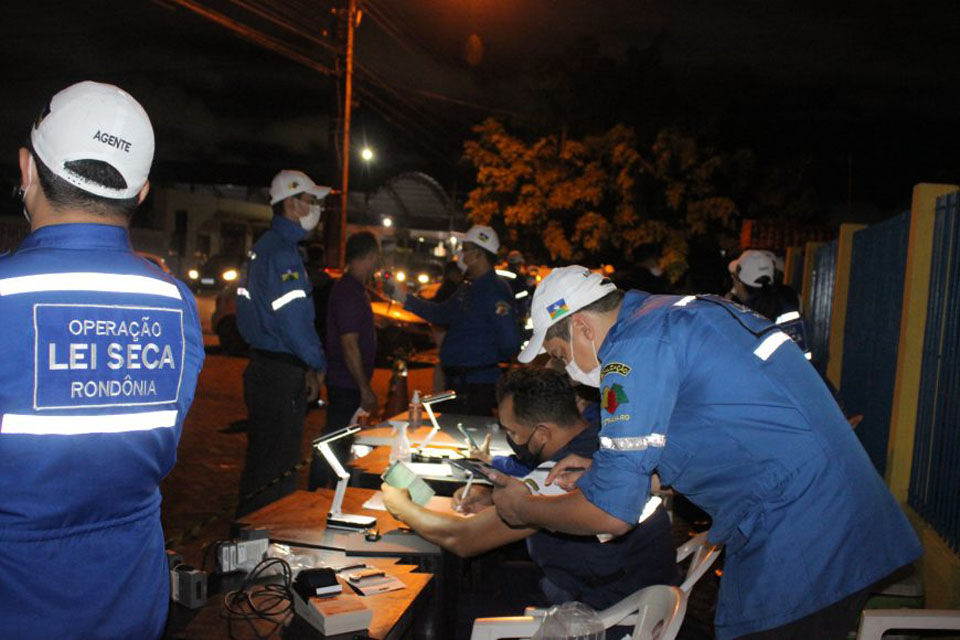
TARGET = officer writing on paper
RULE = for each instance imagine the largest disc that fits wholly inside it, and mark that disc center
(725, 408)
(275, 314)
(538, 411)
(481, 325)
(101, 352)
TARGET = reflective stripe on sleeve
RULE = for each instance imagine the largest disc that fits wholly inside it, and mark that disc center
(787, 317)
(102, 282)
(289, 296)
(682, 302)
(656, 440)
(243, 292)
(79, 425)
(770, 344)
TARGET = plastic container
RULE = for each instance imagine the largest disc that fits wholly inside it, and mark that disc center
(400, 447)
(571, 621)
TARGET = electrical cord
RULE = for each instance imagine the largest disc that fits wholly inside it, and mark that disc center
(270, 602)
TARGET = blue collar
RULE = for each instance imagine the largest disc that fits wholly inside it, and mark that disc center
(584, 443)
(631, 300)
(290, 231)
(79, 236)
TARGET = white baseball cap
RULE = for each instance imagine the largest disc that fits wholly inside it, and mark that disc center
(291, 183)
(562, 293)
(94, 121)
(752, 266)
(483, 237)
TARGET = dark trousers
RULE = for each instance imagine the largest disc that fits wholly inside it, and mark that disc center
(276, 399)
(342, 403)
(830, 623)
(475, 399)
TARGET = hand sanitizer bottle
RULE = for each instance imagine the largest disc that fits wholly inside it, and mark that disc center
(415, 411)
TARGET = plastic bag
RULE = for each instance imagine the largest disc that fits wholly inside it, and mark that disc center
(571, 621)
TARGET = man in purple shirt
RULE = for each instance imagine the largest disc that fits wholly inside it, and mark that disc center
(351, 345)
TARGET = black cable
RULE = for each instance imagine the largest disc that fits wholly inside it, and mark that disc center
(270, 602)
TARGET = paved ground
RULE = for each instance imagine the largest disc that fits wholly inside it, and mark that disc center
(204, 483)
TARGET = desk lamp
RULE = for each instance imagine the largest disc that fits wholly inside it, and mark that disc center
(336, 518)
(428, 402)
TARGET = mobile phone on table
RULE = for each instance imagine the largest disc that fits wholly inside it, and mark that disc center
(478, 468)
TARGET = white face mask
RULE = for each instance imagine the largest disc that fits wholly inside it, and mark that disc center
(23, 192)
(460, 263)
(309, 221)
(590, 378)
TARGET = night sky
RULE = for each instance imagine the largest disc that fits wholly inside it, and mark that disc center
(866, 93)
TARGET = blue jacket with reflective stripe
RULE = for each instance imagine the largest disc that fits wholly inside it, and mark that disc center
(274, 301)
(725, 408)
(481, 326)
(101, 356)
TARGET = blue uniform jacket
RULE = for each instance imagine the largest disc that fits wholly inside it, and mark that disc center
(481, 326)
(726, 409)
(274, 302)
(601, 574)
(101, 352)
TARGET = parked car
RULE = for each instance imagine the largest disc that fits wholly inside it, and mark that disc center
(155, 260)
(397, 329)
(215, 273)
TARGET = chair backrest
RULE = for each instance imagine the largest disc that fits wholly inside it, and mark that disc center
(659, 612)
(704, 555)
(875, 621)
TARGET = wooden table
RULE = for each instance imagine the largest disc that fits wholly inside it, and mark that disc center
(394, 613)
(299, 519)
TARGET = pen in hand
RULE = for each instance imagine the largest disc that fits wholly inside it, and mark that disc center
(466, 492)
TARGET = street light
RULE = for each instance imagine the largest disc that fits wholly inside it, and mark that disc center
(388, 221)
(367, 154)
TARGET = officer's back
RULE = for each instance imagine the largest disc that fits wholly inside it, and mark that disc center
(101, 356)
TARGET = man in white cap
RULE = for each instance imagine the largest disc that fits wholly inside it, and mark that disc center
(752, 271)
(101, 356)
(724, 407)
(275, 315)
(481, 325)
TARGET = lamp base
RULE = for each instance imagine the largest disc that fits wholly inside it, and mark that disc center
(350, 522)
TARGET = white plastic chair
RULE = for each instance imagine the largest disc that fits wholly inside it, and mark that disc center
(874, 622)
(657, 612)
(704, 555)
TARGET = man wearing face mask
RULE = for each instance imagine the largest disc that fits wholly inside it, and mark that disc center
(723, 406)
(481, 325)
(101, 352)
(275, 315)
(538, 411)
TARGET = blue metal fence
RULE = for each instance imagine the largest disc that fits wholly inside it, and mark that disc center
(935, 474)
(871, 334)
(822, 283)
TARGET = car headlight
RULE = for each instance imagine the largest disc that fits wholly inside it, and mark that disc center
(230, 275)
(193, 274)
(423, 278)
(401, 276)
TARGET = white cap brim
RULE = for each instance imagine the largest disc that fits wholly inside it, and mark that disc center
(534, 347)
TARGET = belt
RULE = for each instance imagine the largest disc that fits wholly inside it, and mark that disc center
(462, 371)
(281, 356)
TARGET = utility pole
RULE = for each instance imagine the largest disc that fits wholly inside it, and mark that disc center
(347, 99)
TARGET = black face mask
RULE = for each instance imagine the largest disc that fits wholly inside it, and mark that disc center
(524, 456)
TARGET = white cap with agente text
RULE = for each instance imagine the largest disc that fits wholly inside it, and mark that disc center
(94, 121)
(290, 182)
(562, 293)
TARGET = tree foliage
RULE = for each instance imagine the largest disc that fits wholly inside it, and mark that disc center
(601, 198)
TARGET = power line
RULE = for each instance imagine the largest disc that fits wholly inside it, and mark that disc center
(257, 37)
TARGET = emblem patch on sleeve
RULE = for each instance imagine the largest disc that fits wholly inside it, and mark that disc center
(615, 367)
(89, 355)
(612, 397)
(290, 274)
(502, 308)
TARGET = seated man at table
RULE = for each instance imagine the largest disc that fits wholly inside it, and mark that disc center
(538, 411)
